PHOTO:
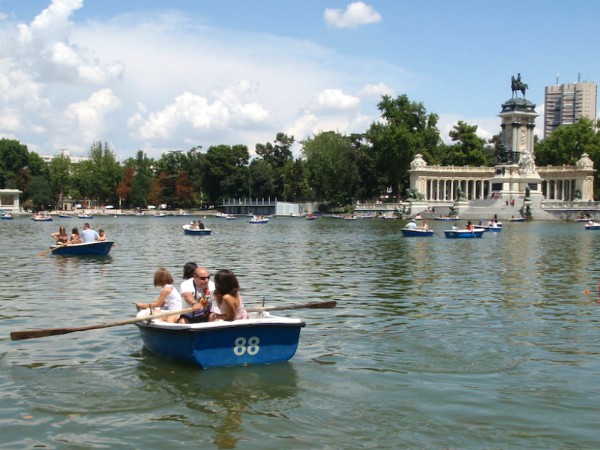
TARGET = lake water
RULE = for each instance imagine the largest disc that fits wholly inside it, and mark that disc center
(435, 343)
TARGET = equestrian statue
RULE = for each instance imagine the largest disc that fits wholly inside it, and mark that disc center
(517, 85)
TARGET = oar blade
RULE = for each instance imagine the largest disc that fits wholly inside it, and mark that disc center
(32, 334)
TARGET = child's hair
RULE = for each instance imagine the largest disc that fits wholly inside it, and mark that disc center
(101, 230)
(162, 276)
(226, 282)
(75, 230)
(188, 270)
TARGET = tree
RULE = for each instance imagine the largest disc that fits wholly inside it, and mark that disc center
(468, 150)
(405, 130)
(41, 192)
(125, 187)
(142, 181)
(279, 157)
(333, 163)
(567, 143)
(60, 177)
(226, 174)
(14, 156)
(106, 171)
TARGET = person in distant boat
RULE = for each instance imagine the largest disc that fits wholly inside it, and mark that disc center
(201, 225)
(75, 238)
(454, 227)
(424, 226)
(197, 294)
(169, 298)
(228, 297)
(102, 235)
(61, 235)
(412, 225)
(470, 226)
(88, 235)
(193, 225)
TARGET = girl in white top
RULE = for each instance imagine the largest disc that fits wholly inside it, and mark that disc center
(169, 298)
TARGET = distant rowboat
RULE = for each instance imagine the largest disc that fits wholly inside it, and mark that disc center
(187, 229)
(464, 234)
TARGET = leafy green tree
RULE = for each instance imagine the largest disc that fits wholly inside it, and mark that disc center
(567, 143)
(226, 174)
(142, 181)
(14, 156)
(468, 150)
(41, 193)
(107, 173)
(334, 167)
(261, 179)
(60, 177)
(279, 157)
(84, 183)
(405, 130)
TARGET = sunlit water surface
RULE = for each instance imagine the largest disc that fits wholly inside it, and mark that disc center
(435, 343)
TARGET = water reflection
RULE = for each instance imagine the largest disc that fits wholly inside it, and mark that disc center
(219, 399)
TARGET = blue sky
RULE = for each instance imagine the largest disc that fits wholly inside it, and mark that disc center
(171, 75)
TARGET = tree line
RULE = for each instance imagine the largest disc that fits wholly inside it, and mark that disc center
(333, 169)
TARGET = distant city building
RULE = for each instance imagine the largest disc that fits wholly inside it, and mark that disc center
(565, 104)
(64, 152)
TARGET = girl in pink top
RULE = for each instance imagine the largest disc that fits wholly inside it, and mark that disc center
(228, 298)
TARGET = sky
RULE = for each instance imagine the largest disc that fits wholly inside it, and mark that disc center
(158, 75)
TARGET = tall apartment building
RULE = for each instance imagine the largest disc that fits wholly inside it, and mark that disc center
(567, 103)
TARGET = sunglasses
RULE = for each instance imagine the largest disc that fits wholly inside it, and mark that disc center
(202, 278)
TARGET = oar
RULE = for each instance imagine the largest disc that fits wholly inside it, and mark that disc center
(51, 248)
(327, 304)
(32, 334)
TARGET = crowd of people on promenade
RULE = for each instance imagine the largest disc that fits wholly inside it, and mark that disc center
(209, 300)
(86, 235)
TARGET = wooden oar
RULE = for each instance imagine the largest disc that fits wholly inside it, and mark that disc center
(32, 334)
(51, 248)
(327, 304)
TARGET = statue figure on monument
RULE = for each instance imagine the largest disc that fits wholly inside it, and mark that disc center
(518, 85)
(527, 163)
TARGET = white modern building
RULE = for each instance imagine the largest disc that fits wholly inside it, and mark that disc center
(565, 104)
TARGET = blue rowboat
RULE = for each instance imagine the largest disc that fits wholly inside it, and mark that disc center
(518, 219)
(187, 229)
(406, 232)
(261, 339)
(494, 229)
(593, 226)
(99, 248)
(464, 234)
(7, 216)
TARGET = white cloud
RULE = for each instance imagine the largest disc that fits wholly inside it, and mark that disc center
(356, 14)
(197, 112)
(376, 91)
(88, 117)
(336, 100)
(45, 47)
(163, 80)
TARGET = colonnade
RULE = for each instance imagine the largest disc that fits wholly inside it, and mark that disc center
(559, 189)
(447, 189)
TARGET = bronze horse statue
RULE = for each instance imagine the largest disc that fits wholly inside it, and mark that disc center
(517, 85)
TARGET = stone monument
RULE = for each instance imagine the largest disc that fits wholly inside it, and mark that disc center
(515, 171)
